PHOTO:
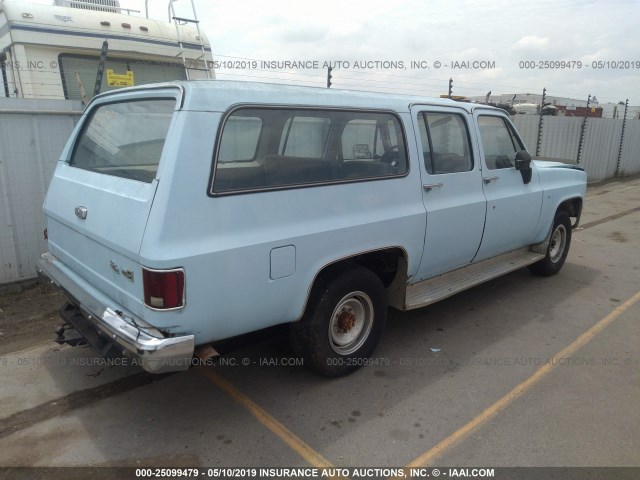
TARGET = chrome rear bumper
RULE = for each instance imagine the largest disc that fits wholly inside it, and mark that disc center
(151, 350)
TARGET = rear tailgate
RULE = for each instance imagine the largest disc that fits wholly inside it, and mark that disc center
(102, 190)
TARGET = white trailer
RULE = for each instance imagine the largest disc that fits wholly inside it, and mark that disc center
(54, 51)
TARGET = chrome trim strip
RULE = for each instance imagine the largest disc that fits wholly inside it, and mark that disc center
(445, 104)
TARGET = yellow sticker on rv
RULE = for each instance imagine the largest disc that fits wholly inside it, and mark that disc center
(116, 80)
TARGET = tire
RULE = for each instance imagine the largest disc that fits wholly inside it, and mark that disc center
(342, 324)
(558, 247)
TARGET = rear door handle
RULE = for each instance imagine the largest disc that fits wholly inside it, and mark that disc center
(490, 179)
(430, 186)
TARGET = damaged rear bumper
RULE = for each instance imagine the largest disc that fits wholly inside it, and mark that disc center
(104, 324)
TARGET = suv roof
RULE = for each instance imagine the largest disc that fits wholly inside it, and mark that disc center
(219, 95)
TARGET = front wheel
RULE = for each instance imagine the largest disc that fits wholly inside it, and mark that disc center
(558, 247)
(342, 324)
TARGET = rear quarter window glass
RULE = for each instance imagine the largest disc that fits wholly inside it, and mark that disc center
(241, 139)
(299, 146)
(125, 139)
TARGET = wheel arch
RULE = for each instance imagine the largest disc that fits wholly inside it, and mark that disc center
(389, 264)
(573, 207)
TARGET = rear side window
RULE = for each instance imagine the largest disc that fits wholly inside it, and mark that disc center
(125, 139)
(445, 143)
(244, 133)
(267, 148)
(305, 137)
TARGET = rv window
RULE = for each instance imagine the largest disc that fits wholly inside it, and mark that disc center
(124, 139)
(77, 70)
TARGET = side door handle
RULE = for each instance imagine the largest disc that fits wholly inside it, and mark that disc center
(490, 179)
(430, 186)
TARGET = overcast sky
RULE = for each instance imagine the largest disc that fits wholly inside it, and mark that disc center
(500, 31)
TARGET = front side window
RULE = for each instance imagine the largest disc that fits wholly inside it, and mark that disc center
(445, 143)
(124, 139)
(279, 147)
(499, 142)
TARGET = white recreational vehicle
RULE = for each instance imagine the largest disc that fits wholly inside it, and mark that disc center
(54, 51)
(527, 108)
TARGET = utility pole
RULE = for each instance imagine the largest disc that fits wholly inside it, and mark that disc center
(329, 76)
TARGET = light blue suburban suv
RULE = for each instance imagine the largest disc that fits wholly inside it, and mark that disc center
(182, 214)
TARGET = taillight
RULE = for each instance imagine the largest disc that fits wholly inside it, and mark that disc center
(163, 289)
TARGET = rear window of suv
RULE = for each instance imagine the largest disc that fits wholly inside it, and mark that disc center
(125, 139)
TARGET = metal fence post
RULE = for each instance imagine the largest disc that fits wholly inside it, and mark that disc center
(582, 130)
(624, 123)
(103, 59)
(539, 142)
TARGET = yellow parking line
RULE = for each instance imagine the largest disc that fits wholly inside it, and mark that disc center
(427, 457)
(286, 435)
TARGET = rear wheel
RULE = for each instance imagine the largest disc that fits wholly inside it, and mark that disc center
(558, 246)
(343, 322)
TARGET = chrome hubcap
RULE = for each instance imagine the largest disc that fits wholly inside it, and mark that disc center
(350, 323)
(558, 243)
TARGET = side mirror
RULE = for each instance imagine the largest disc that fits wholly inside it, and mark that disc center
(523, 163)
